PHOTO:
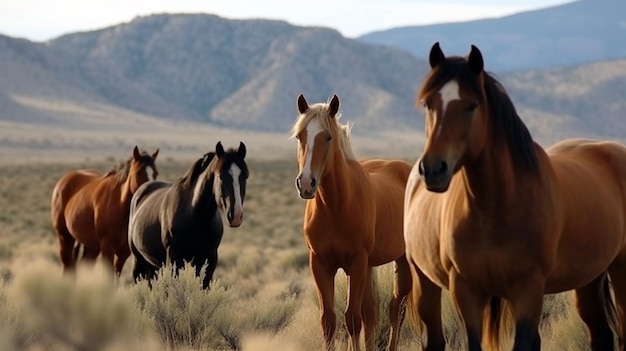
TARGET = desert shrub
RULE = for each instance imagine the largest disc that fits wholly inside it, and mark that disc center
(87, 312)
(186, 316)
(181, 310)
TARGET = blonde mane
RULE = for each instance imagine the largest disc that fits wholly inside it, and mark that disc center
(331, 126)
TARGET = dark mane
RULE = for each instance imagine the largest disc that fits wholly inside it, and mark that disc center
(507, 127)
(192, 174)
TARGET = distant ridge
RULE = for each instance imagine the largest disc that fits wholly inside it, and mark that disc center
(574, 33)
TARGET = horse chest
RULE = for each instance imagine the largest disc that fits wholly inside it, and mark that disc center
(338, 246)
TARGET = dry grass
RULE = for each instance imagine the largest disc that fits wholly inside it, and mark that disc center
(263, 297)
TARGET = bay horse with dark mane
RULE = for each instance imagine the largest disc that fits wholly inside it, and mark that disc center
(180, 222)
(500, 222)
(352, 221)
(89, 209)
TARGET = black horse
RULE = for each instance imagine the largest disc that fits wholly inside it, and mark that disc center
(179, 222)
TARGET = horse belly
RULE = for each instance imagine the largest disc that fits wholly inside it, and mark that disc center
(585, 251)
(80, 221)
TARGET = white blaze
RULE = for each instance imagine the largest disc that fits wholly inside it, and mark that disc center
(449, 92)
(312, 130)
(150, 173)
(235, 172)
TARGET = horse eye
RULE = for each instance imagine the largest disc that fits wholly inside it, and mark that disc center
(298, 137)
(472, 107)
(329, 138)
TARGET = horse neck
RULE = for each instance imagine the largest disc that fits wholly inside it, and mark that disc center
(337, 183)
(206, 203)
(490, 181)
(126, 193)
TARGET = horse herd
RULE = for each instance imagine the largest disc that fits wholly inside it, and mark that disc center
(485, 212)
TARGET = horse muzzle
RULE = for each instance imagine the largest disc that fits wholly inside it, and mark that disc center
(307, 187)
(435, 175)
(235, 218)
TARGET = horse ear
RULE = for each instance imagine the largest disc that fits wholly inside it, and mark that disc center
(155, 154)
(219, 149)
(475, 60)
(333, 106)
(136, 153)
(436, 56)
(242, 149)
(302, 104)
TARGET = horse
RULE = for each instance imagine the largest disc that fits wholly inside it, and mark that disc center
(180, 222)
(352, 220)
(90, 209)
(500, 222)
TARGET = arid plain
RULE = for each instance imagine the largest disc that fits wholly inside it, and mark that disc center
(263, 297)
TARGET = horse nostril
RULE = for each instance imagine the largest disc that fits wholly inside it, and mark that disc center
(443, 168)
(420, 168)
(298, 185)
(313, 183)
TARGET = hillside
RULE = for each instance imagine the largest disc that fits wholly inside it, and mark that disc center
(183, 81)
(243, 74)
(579, 32)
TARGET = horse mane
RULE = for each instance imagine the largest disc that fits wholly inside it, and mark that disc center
(192, 174)
(330, 125)
(507, 127)
(209, 160)
(121, 169)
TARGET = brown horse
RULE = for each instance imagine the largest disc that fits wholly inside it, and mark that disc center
(91, 209)
(500, 222)
(353, 220)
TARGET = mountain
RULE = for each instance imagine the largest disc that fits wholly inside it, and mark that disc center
(244, 74)
(579, 32)
(172, 80)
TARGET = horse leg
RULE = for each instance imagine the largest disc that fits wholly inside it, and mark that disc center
(90, 253)
(66, 246)
(428, 302)
(591, 305)
(210, 269)
(470, 303)
(397, 307)
(617, 273)
(369, 312)
(325, 280)
(121, 256)
(108, 253)
(526, 298)
(357, 277)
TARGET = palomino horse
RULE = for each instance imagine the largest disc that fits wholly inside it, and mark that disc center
(500, 222)
(353, 220)
(179, 222)
(91, 209)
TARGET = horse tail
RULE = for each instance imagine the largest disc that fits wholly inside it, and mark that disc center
(76, 252)
(495, 322)
(412, 315)
(610, 310)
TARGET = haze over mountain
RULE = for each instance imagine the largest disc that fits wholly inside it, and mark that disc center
(579, 32)
(164, 74)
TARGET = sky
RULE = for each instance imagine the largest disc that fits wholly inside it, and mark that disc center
(40, 20)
